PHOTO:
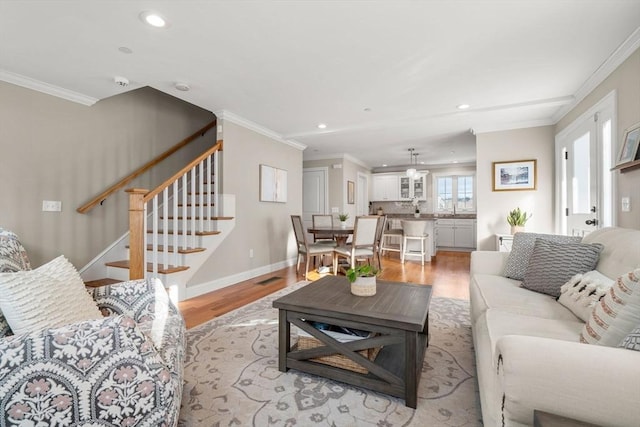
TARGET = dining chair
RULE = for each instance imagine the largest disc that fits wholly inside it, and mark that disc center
(414, 230)
(390, 234)
(363, 244)
(378, 244)
(306, 249)
(326, 238)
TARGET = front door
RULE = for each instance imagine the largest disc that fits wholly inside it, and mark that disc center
(585, 190)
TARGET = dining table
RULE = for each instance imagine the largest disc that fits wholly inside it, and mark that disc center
(340, 232)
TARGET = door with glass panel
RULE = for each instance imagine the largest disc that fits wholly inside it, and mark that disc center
(585, 190)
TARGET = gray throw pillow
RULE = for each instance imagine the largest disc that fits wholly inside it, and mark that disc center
(553, 264)
(522, 249)
(632, 341)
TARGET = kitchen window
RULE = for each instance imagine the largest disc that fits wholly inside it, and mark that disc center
(454, 193)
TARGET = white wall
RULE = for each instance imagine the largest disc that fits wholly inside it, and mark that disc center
(53, 149)
(264, 227)
(493, 206)
(625, 80)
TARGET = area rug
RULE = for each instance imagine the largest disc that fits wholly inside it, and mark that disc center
(232, 377)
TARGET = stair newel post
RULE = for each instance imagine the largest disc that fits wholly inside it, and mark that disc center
(216, 183)
(174, 210)
(136, 232)
(185, 211)
(202, 176)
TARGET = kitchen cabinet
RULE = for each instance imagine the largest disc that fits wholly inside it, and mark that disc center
(456, 233)
(410, 187)
(385, 187)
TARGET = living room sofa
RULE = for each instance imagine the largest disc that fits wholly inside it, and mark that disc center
(125, 368)
(528, 350)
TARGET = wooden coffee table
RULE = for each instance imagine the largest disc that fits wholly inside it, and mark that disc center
(397, 314)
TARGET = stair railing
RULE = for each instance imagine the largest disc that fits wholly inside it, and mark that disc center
(196, 186)
(142, 169)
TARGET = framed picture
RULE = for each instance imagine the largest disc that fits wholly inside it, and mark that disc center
(629, 149)
(351, 192)
(514, 175)
(273, 184)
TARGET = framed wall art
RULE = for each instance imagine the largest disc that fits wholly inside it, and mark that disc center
(514, 175)
(351, 192)
(273, 184)
(629, 149)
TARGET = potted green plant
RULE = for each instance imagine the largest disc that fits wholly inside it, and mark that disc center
(343, 219)
(517, 219)
(363, 280)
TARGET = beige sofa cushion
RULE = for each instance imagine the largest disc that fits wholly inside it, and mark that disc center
(496, 292)
(621, 253)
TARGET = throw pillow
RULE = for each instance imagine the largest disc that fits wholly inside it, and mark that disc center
(581, 293)
(553, 264)
(632, 341)
(617, 314)
(50, 296)
(522, 249)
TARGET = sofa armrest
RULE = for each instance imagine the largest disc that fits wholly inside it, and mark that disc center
(590, 383)
(85, 374)
(488, 262)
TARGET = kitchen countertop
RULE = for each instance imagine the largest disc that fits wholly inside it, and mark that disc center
(432, 216)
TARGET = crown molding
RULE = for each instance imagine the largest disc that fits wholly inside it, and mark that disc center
(514, 125)
(49, 89)
(333, 156)
(621, 54)
(226, 115)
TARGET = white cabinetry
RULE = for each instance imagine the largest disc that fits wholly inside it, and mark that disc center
(410, 188)
(385, 187)
(456, 233)
(504, 242)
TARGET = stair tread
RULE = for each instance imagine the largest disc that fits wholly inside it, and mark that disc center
(189, 233)
(197, 204)
(101, 282)
(189, 218)
(168, 270)
(171, 249)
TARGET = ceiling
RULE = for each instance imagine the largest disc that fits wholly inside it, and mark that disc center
(383, 76)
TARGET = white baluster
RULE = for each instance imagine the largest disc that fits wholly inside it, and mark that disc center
(165, 227)
(154, 253)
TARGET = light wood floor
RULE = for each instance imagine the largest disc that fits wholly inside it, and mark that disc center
(448, 273)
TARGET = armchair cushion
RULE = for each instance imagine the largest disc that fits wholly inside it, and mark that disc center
(85, 373)
(13, 256)
(49, 296)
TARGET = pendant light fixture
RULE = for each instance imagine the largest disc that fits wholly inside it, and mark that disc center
(411, 172)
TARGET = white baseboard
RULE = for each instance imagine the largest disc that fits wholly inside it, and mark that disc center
(203, 288)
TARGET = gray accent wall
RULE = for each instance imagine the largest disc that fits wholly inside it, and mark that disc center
(264, 227)
(53, 149)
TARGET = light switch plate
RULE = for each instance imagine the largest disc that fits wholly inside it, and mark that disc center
(51, 206)
(335, 210)
(626, 204)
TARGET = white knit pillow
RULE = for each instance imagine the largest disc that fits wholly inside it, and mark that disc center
(50, 296)
(581, 293)
(617, 314)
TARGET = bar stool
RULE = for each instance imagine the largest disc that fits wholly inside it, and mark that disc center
(389, 233)
(414, 230)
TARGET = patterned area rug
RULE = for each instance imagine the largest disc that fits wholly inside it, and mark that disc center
(232, 377)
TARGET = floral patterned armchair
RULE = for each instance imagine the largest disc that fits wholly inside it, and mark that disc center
(124, 369)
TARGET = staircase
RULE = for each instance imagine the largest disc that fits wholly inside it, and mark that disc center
(174, 228)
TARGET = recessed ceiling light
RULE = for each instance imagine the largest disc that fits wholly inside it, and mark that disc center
(322, 126)
(455, 161)
(463, 106)
(367, 109)
(154, 19)
(125, 49)
(384, 165)
(182, 87)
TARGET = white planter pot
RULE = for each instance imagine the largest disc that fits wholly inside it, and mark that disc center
(343, 224)
(516, 229)
(364, 286)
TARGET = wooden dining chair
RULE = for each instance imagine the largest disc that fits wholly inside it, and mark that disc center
(362, 245)
(326, 238)
(306, 249)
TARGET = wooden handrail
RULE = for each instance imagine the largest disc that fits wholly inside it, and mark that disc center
(150, 195)
(124, 181)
